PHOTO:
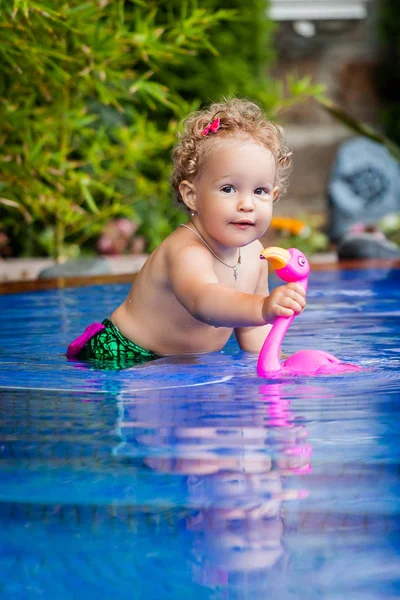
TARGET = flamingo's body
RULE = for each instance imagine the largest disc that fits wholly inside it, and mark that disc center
(291, 265)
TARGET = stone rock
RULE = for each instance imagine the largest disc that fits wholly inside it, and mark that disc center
(77, 268)
(366, 246)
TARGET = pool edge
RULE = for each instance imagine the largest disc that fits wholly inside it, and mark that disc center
(15, 287)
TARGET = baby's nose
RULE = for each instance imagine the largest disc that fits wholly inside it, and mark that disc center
(246, 203)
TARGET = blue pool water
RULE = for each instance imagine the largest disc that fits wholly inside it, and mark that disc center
(193, 478)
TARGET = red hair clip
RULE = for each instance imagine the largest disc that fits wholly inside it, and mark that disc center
(212, 127)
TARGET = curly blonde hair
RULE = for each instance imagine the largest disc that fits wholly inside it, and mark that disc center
(238, 117)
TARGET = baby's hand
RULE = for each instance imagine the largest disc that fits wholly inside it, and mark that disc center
(284, 301)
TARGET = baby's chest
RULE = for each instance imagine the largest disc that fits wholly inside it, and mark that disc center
(243, 280)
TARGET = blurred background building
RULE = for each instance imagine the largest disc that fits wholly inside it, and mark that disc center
(336, 43)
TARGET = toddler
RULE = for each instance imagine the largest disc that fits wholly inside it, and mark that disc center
(206, 278)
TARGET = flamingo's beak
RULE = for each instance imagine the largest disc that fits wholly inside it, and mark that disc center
(277, 257)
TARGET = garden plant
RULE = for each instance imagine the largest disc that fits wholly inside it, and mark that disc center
(90, 96)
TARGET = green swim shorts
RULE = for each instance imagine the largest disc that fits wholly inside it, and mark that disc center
(106, 344)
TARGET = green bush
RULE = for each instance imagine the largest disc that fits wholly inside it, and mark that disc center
(388, 74)
(234, 59)
(91, 93)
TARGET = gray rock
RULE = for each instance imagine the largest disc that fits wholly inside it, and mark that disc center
(366, 245)
(364, 187)
(77, 268)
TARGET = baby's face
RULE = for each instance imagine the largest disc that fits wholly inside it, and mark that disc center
(245, 546)
(234, 191)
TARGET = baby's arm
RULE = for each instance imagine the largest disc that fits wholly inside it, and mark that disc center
(251, 339)
(195, 285)
(283, 301)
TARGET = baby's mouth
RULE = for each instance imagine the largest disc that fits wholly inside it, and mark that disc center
(243, 224)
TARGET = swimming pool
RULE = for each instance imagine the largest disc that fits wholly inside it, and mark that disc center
(191, 477)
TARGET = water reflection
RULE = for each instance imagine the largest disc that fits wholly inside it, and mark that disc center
(234, 451)
(187, 478)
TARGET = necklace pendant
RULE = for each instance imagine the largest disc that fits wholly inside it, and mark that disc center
(235, 272)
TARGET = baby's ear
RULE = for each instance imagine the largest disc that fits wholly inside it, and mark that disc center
(188, 193)
(276, 192)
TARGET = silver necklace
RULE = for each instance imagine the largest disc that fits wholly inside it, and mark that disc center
(234, 267)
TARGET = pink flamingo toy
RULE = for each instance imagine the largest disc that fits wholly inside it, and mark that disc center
(292, 265)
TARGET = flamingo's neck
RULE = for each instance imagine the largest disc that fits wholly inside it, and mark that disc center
(269, 358)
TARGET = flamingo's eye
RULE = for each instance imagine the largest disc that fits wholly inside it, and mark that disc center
(301, 261)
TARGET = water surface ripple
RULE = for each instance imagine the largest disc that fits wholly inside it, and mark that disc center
(192, 477)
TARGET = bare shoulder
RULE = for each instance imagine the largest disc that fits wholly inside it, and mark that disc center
(182, 247)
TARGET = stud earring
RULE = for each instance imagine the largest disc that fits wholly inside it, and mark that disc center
(192, 213)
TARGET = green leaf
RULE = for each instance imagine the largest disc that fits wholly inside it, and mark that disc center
(359, 126)
(88, 197)
(18, 206)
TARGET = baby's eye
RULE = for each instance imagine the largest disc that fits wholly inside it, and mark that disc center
(228, 189)
(262, 192)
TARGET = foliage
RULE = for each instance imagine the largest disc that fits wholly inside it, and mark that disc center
(388, 74)
(90, 96)
(358, 126)
(304, 233)
(390, 226)
(234, 59)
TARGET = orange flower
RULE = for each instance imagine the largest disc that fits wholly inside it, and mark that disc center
(293, 226)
